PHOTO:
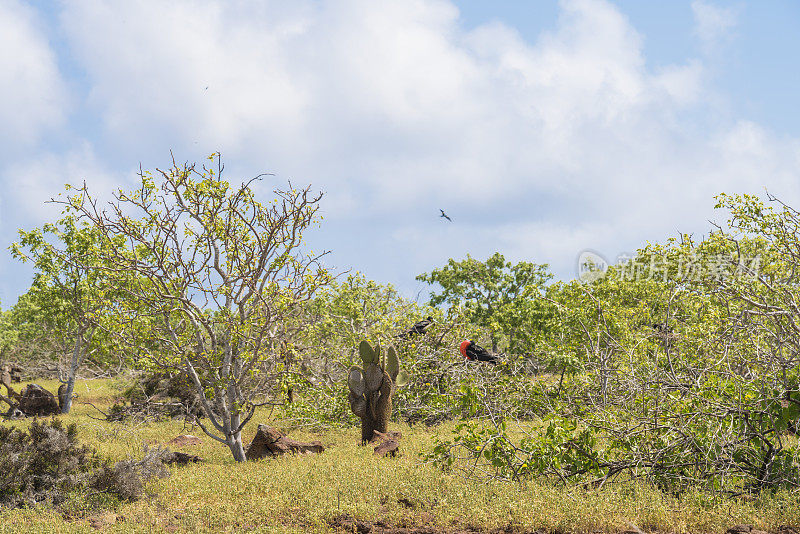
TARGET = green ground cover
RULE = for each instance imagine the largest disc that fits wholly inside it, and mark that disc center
(307, 493)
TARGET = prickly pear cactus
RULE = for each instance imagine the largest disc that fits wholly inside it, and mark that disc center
(372, 386)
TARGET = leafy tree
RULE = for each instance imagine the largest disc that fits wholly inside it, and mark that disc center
(27, 337)
(761, 246)
(356, 308)
(687, 367)
(502, 297)
(70, 296)
(8, 333)
(221, 279)
(335, 321)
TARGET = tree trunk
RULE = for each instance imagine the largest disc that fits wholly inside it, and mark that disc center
(368, 428)
(234, 437)
(66, 398)
(66, 403)
(378, 412)
(234, 443)
(561, 380)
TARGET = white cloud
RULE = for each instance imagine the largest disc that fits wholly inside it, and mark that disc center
(537, 149)
(33, 182)
(32, 94)
(28, 184)
(393, 96)
(713, 23)
(170, 74)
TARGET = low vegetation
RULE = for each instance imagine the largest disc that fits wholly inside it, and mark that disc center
(45, 465)
(661, 395)
(306, 493)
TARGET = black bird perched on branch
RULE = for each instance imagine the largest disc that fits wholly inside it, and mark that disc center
(445, 215)
(419, 328)
(474, 352)
(662, 328)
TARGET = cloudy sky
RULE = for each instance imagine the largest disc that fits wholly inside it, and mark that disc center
(542, 128)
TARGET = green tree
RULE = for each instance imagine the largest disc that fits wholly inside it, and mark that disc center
(8, 333)
(354, 309)
(502, 297)
(221, 280)
(70, 296)
(686, 367)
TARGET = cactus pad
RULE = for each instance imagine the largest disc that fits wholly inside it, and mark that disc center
(392, 364)
(367, 354)
(358, 404)
(355, 381)
(373, 377)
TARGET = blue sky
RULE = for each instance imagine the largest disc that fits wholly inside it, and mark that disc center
(756, 65)
(542, 128)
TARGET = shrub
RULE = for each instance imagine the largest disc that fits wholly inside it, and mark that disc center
(125, 479)
(46, 464)
(42, 464)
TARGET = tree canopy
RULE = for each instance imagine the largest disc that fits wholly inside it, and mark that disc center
(502, 297)
(219, 279)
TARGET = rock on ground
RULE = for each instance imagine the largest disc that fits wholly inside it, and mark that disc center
(269, 441)
(389, 443)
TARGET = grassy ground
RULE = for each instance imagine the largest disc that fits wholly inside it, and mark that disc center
(305, 493)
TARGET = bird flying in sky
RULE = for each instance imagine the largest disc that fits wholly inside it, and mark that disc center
(445, 215)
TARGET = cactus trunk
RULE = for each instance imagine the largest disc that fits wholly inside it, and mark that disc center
(378, 412)
(371, 389)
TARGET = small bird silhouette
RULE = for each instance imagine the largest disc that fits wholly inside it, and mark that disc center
(445, 215)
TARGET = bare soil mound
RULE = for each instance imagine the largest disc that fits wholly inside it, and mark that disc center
(346, 523)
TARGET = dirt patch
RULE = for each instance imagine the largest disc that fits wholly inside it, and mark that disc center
(103, 520)
(346, 523)
(185, 440)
